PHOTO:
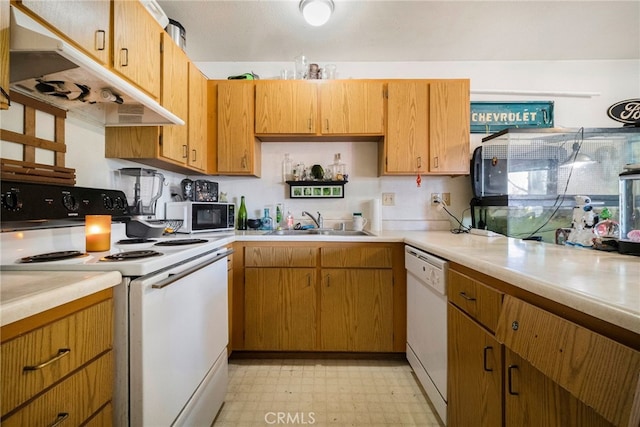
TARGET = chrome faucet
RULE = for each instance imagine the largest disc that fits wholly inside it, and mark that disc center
(319, 222)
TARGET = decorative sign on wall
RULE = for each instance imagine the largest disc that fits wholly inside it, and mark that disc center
(316, 189)
(490, 117)
(627, 112)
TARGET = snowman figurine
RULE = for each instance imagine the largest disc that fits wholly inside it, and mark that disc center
(582, 223)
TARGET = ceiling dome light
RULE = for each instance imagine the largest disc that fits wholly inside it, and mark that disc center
(316, 12)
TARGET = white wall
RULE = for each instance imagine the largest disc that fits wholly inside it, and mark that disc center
(571, 82)
(611, 81)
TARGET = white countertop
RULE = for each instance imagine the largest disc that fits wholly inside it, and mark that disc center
(601, 284)
(25, 293)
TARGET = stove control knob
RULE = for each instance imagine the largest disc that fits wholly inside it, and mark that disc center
(10, 201)
(107, 202)
(120, 203)
(70, 202)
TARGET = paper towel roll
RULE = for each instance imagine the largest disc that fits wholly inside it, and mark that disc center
(375, 215)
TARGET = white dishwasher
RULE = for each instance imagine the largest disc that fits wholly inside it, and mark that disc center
(427, 324)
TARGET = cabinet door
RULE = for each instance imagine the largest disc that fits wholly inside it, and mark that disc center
(175, 92)
(4, 54)
(280, 309)
(237, 148)
(197, 122)
(474, 373)
(136, 45)
(531, 398)
(356, 310)
(352, 107)
(449, 116)
(407, 139)
(288, 107)
(84, 23)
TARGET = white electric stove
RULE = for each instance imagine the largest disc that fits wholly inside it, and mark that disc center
(170, 311)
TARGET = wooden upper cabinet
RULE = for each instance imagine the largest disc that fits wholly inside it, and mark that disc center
(427, 127)
(87, 24)
(197, 121)
(4, 54)
(407, 139)
(136, 45)
(449, 126)
(352, 107)
(175, 92)
(286, 107)
(238, 150)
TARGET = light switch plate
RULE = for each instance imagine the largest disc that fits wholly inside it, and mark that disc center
(388, 199)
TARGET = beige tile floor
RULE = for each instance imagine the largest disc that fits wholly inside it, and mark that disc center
(324, 392)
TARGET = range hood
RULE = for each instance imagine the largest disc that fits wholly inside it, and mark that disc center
(44, 67)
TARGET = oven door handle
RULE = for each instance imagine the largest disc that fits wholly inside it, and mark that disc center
(175, 277)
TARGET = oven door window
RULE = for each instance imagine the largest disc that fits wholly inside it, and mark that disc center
(209, 217)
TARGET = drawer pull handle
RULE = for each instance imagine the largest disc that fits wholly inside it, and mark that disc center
(484, 361)
(100, 41)
(467, 297)
(61, 353)
(124, 57)
(62, 416)
(510, 378)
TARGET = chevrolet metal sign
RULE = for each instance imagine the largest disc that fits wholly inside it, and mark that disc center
(490, 117)
(627, 111)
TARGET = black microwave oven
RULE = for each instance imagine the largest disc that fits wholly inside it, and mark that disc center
(200, 217)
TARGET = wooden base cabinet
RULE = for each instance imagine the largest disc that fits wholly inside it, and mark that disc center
(356, 310)
(280, 309)
(531, 398)
(474, 373)
(57, 366)
(303, 296)
(545, 365)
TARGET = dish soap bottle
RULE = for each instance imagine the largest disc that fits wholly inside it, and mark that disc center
(242, 215)
(267, 221)
(278, 215)
(289, 221)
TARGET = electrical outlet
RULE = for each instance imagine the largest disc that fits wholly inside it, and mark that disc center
(436, 198)
(388, 199)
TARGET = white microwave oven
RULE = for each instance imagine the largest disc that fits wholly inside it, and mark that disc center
(200, 217)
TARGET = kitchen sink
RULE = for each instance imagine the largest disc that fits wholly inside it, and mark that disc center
(320, 232)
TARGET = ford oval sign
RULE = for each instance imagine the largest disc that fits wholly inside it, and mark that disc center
(627, 111)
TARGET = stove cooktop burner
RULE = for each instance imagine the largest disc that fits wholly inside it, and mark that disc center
(134, 241)
(181, 242)
(126, 256)
(53, 256)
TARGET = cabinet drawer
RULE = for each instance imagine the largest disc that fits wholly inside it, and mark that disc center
(367, 257)
(597, 370)
(74, 399)
(275, 256)
(67, 343)
(479, 301)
